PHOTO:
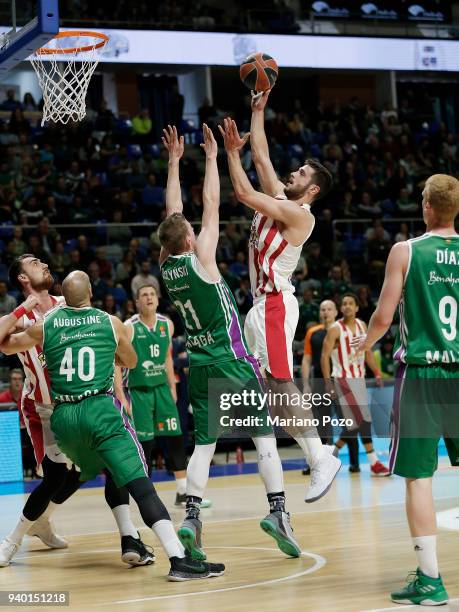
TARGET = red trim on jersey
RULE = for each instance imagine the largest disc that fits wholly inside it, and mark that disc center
(268, 241)
(256, 253)
(276, 341)
(273, 258)
(348, 350)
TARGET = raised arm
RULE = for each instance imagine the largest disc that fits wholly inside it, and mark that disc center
(175, 146)
(23, 341)
(267, 176)
(206, 243)
(10, 324)
(281, 210)
(389, 299)
(125, 355)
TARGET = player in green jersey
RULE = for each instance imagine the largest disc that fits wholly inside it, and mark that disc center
(215, 342)
(80, 345)
(422, 280)
(148, 391)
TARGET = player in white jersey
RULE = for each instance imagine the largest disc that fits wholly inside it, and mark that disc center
(282, 223)
(60, 478)
(348, 373)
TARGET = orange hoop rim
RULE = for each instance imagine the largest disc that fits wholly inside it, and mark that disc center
(67, 34)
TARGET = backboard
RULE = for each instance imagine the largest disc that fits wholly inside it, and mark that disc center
(18, 44)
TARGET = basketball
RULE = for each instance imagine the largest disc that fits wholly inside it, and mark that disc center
(259, 71)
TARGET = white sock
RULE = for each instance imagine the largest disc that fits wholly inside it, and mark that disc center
(312, 448)
(20, 530)
(123, 520)
(181, 485)
(49, 510)
(269, 464)
(372, 457)
(425, 548)
(197, 473)
(168, 538)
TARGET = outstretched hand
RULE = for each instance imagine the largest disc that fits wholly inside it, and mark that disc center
(260, 99)
(173, 143)
(231, 138)
(210, 144)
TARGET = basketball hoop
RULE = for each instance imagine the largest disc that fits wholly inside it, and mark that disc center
(64, 68)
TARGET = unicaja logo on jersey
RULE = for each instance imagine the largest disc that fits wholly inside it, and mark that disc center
(149, 368)
(162, 331)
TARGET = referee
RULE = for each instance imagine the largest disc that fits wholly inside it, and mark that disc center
(310, 366)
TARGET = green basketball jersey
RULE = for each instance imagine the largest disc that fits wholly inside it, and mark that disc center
(207, 309)
(151, 346)
(428, 309)
(79, 345)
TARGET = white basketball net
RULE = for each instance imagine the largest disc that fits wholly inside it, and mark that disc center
(64, 77)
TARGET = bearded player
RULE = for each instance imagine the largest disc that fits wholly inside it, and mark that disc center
(60, 478)
(281, 225)
(421, 279)
(215, 343)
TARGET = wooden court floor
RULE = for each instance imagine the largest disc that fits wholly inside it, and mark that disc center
(355, 541)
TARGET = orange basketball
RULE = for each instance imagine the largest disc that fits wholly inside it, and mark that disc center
(259, 71)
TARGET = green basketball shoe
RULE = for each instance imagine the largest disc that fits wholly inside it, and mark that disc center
(422, 590)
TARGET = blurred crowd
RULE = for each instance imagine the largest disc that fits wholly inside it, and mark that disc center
(88, 196)
(267, 16)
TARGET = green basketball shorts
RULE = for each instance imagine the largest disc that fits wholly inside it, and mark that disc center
(96, 435)
(238, 373)
(154, 412)
(425, 409)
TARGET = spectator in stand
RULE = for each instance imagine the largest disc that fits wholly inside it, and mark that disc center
(18, 246)
(243, 296)
(405, 205)
(367, 206)
(28, 103)
(144, 277)
(403, 233)
(126, 270)
(98, 285)
(308, 313)
(366, 304)
(335, 283)
(59, 259)
(128, 309)
(121, 234)
(239, 267)
(377, 226)
(74, 176)
(74, 262)
(13, 394)
(232, 209)
(229, 278)
(10, 104)
(317, 264)
(86, 253)
(378, 248)
(47, 235)
(105, 265)
(142, 125)
(7, 302)
(109, 305)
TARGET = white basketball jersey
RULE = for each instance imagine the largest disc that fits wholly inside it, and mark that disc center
(346, 361)
(36, 383)
(272, 260)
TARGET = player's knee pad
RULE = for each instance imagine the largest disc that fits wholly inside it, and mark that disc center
(176, 450)
(54, 476)
(265, 444)
(151, 507)
(114, 496)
